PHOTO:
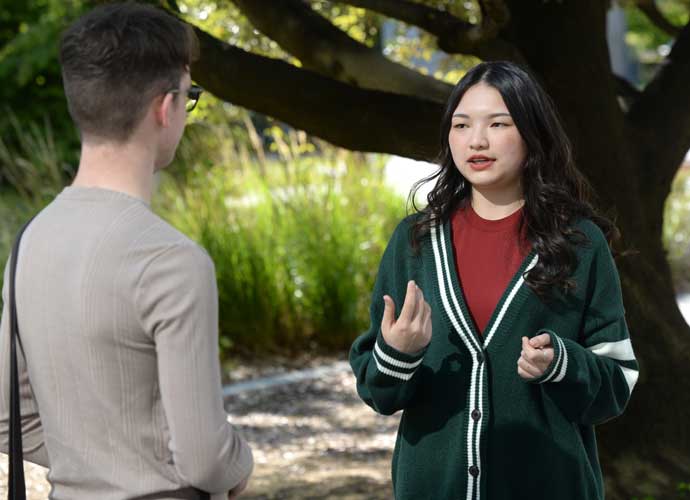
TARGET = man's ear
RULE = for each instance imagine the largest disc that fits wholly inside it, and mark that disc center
(162, 108)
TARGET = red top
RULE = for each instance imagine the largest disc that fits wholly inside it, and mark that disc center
(487, 256)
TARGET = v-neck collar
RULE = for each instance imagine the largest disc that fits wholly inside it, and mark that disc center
(453, 298)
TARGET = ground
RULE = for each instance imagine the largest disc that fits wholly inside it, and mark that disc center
(312, 439)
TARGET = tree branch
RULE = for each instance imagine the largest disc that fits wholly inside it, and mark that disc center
(433, 20)
(661, 117)
(323, 48)
(348, 116)
(495, 15)
(650, 9)
(454, 35)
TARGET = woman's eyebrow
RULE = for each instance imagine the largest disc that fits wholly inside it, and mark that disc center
(492, 115)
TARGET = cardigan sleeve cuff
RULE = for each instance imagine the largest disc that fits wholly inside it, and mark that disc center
(559, 364)
(393, 363)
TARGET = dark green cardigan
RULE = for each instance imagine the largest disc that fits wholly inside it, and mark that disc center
(471, 428)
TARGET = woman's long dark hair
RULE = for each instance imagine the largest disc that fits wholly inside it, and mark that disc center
(556, 193)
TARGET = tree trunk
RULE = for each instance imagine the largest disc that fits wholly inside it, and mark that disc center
(647, 450)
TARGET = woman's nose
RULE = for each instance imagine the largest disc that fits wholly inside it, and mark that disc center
(478, 140)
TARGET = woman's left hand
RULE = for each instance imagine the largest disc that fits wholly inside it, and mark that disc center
(536, 356)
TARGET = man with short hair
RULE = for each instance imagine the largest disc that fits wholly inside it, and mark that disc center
(117, 310)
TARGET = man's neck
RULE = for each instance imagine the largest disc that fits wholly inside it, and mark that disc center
(126, 168)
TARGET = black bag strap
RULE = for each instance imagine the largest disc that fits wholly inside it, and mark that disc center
(16, 489)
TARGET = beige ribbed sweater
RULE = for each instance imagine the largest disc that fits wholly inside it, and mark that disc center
(118, 319)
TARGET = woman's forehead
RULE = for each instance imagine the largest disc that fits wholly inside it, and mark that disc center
(481, 99)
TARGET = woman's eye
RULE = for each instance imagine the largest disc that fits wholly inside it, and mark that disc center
(460, 125)
(499, 124)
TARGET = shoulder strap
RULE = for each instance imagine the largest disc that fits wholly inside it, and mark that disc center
(16, 487)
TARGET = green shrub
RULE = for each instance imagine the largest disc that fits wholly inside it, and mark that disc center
(32, 161)
(296, 243)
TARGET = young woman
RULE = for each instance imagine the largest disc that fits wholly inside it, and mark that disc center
(511, 342)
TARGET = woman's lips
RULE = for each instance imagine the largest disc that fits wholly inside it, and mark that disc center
(481, 164)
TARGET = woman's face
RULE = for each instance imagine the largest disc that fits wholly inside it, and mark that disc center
(484, 141)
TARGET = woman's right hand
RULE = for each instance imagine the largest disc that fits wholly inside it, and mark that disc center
(411, 332)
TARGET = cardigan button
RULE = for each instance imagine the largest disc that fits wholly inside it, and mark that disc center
(476, 415)
(474, 471)
(480, 358)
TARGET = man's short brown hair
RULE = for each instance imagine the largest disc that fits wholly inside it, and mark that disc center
(118, 57)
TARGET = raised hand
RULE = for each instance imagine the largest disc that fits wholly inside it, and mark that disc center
(411, 332)
(536, 356)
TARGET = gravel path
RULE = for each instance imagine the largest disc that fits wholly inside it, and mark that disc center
(311, 439)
